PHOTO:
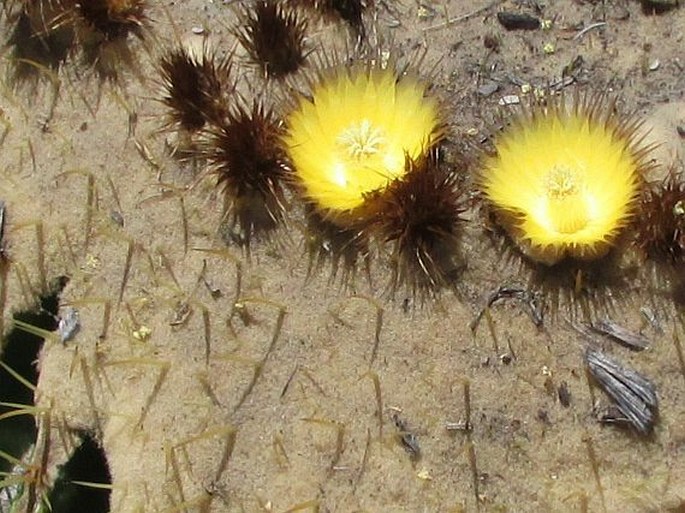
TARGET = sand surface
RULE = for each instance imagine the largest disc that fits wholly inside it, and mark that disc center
(217, 382)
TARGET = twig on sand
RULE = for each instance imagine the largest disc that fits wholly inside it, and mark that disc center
(448, 22)
(588, 29)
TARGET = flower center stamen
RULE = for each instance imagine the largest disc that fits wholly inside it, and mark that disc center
(567, 209)
(361, 140)
(561, 182)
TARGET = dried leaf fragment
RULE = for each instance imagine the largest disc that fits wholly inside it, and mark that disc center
(634, 395)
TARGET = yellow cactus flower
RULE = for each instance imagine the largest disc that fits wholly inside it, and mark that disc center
(565, 178)
(353, 135)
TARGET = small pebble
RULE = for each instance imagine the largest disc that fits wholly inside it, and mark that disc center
(425, 12)
(488, 88)
(491, 42)
(117, 218)
(659, 5)
(198, 30)
(424, 475)
(516, 21)
(69, 325)
(143, 333)
(564, 394)
(654, 65)
(510, 99)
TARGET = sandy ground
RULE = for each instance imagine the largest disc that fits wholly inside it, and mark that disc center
(281, 392)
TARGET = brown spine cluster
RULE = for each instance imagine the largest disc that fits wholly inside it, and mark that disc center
(419, 215)
(349, 11)
(113, 18)
(50, 32)
(243, 151)
(660, 234)
(274, 37)
(196, 88)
